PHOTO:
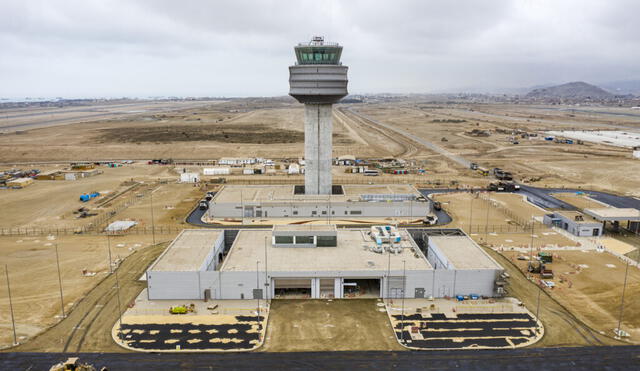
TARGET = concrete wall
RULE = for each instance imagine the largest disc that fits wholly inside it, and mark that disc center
(318, 128)
(239, 285)
(417, 209)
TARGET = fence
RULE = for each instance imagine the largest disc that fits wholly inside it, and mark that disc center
(497, 228)
(159, 229)
(299, 179)
(524, 223)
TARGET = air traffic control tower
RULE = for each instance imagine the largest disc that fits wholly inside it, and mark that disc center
(318, 79)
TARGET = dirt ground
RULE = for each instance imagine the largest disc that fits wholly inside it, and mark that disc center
(34, 279)
(50, 203)
(590, 283)
(554, 164)
(322, 325)
(561, 327)
(497, 224)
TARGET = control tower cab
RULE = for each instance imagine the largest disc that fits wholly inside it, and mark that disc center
(318, 75)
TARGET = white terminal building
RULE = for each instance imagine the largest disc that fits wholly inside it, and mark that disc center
(322, 262)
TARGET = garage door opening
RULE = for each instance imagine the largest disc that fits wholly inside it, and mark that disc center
(292, 288)
(327, 288)
(361, 288)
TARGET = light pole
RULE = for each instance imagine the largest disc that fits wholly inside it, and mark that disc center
(486, 227)
(13, 322)
(624, 287)
(470, 212)
(60, 283)
(258, 296)
(531, 244)
(119, 305)
(538, 305)
(153, 225)
(266, 277)
(404, 287)
(109, 248)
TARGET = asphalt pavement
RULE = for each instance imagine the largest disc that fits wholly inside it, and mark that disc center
(569, 358)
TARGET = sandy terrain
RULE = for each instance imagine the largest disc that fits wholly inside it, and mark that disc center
(592, 288)
(34, 278)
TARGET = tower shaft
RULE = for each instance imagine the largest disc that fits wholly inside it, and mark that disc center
(318, 127)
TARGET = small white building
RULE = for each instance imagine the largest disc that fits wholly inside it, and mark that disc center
(216, 171)
(293, 169)
(189, 178)
(636, 154)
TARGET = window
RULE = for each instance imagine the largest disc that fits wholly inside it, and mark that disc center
(295, 212)
(318, 56)
(304, 56)
(284, 239)
(314, 213)
(304, 239)
(356, 212)
(324, 212)
(327, 241)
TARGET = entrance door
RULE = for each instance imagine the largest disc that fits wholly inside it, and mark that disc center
(419, 292)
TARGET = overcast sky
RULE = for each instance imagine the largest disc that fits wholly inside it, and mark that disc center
(91, 48)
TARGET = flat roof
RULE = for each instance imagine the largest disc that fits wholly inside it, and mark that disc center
(188, 251)
(349, 255)
(571, 215)
(264, 193)
(463, 253)
(304, 227)
(614, 213)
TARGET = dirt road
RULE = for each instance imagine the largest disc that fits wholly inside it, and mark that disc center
(88, 327)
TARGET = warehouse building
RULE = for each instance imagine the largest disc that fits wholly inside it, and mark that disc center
(320, 261)
(575, 223)
(349, 201)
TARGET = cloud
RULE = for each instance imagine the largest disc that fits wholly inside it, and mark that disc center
(216, 48)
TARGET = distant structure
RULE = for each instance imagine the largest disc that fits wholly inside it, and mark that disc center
(318, 79)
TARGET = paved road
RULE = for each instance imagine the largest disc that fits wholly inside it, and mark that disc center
(584, 358)
(542, 197)
(427, 144)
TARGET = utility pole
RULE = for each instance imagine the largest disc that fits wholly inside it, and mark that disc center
(60, 283)
(404, 287)
(13, 321)
(153, 225)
